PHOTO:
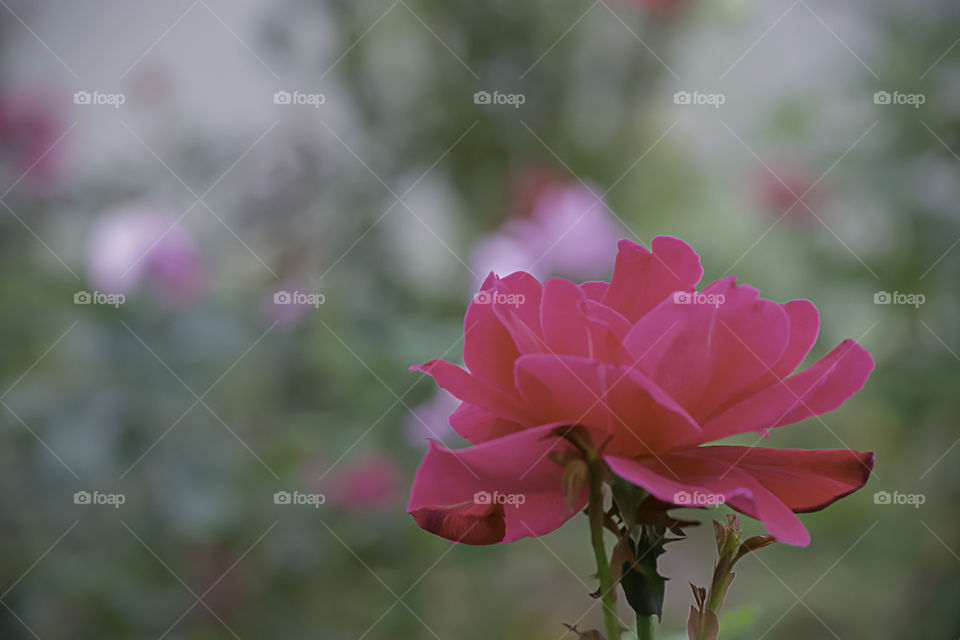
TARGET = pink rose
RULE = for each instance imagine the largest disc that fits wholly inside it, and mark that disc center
(652, 369)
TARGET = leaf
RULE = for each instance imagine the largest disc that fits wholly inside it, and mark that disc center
(641, 583)
(753, 543)
(721, 534)
(707, 621)
(622, 556)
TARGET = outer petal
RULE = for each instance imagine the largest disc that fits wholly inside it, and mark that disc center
(805, 479)
(642, 279)
(444, 499)
(766, 484)
(618, 401)
(468, 388)
(704, 354)
(819, 388)
(686, 480)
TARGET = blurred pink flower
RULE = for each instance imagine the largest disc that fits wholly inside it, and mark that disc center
(430, 419)
(369, 483)
(142, 243)
(562, 228)
(788, 194)
(29, 130)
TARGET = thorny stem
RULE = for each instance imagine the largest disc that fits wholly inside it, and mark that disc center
(595, 513)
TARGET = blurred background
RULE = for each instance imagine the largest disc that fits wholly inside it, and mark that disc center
(228, 227)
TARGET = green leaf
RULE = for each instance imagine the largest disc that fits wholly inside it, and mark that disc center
(641, 583)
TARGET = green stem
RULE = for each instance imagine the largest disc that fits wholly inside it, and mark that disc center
(595, 513)
(644, 627)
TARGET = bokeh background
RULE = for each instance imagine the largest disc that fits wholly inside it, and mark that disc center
(377, 198)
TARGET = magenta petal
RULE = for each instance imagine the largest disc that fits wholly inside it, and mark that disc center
(704, 353)
(642, 279)
(595, 290)
(516, 303)
(617, 401)
(488, 349)
(565, 328)
(805, 479)
(476, 425)
(687, 479)
(450, 489)
(469, 388)
(819, 388)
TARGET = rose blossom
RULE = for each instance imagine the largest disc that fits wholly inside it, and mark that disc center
(566, 229)
(651, 376)
(139, 243)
